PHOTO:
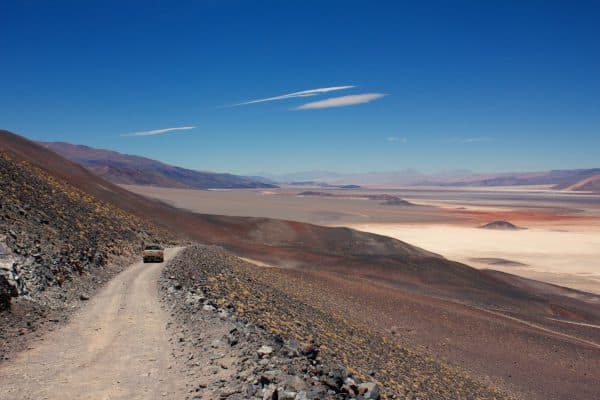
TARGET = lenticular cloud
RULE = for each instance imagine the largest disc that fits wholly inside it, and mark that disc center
(342, 101)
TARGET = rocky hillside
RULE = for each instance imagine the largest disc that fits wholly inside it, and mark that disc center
(308, 351)
(229, 356)
(134, 170)
(54, 236)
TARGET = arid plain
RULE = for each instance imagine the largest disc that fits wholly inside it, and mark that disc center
(425, 326)
(559, 242)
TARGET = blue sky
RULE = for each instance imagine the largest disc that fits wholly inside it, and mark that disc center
(487, 86)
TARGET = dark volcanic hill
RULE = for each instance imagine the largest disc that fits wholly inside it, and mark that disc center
(501, 225)
(135, 170)
(537, 340)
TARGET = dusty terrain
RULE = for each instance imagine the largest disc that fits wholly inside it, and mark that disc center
(561, 244)
(293, 308)
(452, 312)
(57, 243)
(228, 355)
(547, 356)
(363, 322)
(570, 258)
(286, 204)
(438, 204)
(116, 347)
(124, 344)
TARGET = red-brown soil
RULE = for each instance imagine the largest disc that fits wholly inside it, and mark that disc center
(535, 339)
(533, 360)
(521, 217)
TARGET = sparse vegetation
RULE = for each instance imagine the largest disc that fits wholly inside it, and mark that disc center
(291, 307)
(55, 235)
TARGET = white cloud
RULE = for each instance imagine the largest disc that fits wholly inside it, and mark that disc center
(470, 140)
(341, 101)
(159, 131)
(304, 93)
(397, 139)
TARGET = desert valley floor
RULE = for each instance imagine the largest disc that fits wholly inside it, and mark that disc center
(560, 243)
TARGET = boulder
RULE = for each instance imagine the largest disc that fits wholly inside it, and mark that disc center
(369, 390)
(349, 387)
(309, 350)
(271, 393)
(7, 291)
(265, 351)
(287, 395)
(301, 396)
(335, 378)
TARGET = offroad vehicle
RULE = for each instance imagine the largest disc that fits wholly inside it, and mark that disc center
(153, 253)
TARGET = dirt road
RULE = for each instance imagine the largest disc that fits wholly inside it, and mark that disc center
(116, 347)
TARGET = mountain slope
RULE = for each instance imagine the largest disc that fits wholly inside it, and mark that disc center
(476, 319)
(134, 170)
(58, 243)
(52, 231)
(589, 184)
(554, 177)
(298, 244)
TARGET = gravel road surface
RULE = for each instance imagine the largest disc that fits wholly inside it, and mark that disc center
(116, 347)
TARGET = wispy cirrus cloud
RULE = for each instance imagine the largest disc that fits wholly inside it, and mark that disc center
(396, 139)
(159, 131)
(303, 93)
(341, 101)
(470, 139)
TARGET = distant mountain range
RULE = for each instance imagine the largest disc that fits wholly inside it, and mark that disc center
(135, 170)
(573, 179)
(589, 184)
(559, 179)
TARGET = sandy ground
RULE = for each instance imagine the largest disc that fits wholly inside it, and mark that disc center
(532, 358)
(561, 246)
(287, 205)
(566, 258)
(114, 348)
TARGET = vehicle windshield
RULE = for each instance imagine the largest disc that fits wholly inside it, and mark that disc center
(152, 247)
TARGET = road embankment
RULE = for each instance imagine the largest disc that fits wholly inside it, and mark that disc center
(289, 315)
